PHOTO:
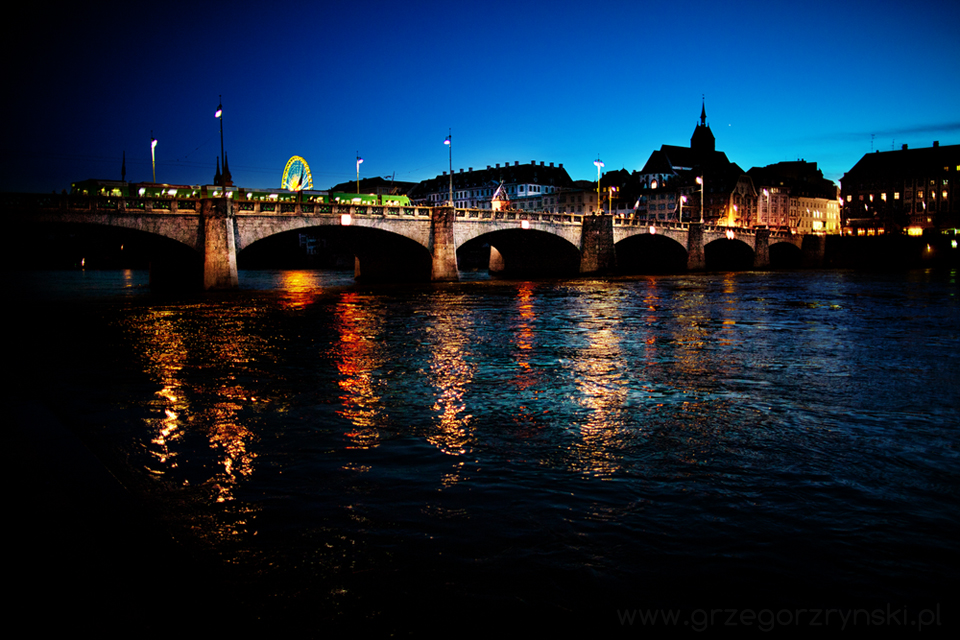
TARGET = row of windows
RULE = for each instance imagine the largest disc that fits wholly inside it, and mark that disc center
(896, 195)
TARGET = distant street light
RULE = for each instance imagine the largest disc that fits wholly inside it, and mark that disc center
(153, 155)
(599, 164)
(682, 200)
(359, 162)
(449, 143)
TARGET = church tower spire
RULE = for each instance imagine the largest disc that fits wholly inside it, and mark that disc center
(702, 140)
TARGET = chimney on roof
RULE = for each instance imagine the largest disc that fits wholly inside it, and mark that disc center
(488, 166)
(551, 164)
(561, 165)
(470, 169)
(516, 163)
(904, 147)
(936, 143)
(444, 173)
(541, 163)
(461, 170)
(498, 165)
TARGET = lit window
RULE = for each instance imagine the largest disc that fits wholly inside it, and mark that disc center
(883, 197)
(896, 195)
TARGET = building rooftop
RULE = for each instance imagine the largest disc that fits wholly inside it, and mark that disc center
(906, 162)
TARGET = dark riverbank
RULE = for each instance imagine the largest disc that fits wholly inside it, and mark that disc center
(891, 251)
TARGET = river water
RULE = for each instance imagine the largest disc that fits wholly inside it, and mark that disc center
(546, 452)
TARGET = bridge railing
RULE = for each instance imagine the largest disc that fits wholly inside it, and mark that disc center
(481, 215)
(90, 204)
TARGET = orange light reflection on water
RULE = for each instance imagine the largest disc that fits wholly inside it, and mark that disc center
(358, 355)
(300, 288)
(523, 336)
(171, 343)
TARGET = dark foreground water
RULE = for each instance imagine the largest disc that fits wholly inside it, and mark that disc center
(331, 457)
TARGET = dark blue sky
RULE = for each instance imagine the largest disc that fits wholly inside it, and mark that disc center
(515, 81)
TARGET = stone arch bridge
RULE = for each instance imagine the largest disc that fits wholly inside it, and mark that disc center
(419, 242)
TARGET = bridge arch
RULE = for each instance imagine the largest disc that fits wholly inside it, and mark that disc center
(650, 253)
(785, 255)
(376, 253)
(527, 252)
(728, 254)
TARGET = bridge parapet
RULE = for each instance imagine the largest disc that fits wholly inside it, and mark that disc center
(317, 209)
(487, 215)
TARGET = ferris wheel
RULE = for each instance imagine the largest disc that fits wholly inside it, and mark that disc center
(296, 175)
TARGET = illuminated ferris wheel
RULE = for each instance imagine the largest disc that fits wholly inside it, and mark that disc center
(296, 175)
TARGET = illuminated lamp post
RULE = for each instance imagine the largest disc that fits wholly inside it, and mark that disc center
(359, 162)
(599, 164)
(219, 116)
(682, 200)
(449, 142)
(700, 182)
(767, 195)
(153, 155)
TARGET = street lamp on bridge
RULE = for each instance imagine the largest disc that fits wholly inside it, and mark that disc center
(449, 143)
(153, 155)
(359, 162)
(700, 182)
(225, 180)
(599, 164)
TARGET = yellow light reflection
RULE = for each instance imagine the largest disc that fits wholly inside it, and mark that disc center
(598, 374)
(172, 342)
(299, 289)
(450, 374)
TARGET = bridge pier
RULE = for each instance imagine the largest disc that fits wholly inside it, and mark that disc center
(813, 248)
(444, 249)
(761, 249)
(597, 254)
(219, 245)
(695, 255)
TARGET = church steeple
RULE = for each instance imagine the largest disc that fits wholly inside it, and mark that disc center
(702, 140)
(227, 178)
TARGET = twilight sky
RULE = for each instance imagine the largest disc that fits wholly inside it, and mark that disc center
(825, 81)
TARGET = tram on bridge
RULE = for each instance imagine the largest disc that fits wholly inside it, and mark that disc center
(118, 189)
